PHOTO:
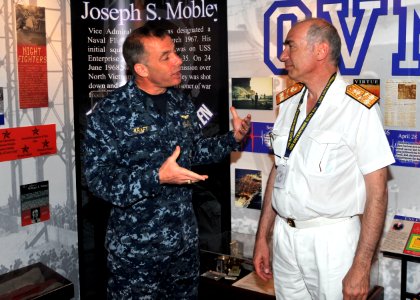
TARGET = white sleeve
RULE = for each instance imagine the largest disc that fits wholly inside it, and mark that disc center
(373, 150)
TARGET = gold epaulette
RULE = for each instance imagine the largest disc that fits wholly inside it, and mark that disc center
(361, 95)
(289, 92)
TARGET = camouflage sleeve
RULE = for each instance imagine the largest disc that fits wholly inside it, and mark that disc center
(108, 177)
(212, 149)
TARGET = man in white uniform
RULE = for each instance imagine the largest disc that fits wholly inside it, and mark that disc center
(331, 158)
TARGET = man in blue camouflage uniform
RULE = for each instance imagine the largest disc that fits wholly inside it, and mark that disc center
(141, 141)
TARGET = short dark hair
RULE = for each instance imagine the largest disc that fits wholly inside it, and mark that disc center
(133, 47)
(323, 31)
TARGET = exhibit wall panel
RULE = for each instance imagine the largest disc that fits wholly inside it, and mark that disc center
(199, 32)
(38, 221)
(380, 49)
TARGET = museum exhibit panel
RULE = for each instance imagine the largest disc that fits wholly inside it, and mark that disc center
(59, 58)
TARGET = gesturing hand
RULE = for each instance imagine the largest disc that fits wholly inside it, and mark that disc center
(171, 173)
(240, 126)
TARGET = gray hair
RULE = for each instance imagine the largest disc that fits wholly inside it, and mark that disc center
(322, 31)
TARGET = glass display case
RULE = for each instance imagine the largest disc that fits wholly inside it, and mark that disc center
(35, 281)
(229, 273)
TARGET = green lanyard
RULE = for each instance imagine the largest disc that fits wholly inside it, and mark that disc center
(294, 138)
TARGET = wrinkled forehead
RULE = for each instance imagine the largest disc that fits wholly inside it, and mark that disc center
(153, 43)
(297, 33)
(300, 29)
(156, 46)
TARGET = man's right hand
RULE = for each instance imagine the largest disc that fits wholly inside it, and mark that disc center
(171, 173)
(262, 260)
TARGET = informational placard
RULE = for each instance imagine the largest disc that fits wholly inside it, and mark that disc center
(34, 202)
(405, 146)
(403, 237)
(25, 142)
(198, 29)
(400, 104)
(31, 56)
(254, 283)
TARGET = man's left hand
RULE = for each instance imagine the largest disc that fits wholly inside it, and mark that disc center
(356, 283)
(240, 126)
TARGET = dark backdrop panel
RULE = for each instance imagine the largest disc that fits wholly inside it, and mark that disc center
(199, 29)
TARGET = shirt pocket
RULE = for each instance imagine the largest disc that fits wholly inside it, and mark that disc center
(278, 143)
(141, 142)
(320, 154)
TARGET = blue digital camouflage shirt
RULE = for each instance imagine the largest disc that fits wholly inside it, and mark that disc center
(126, 143)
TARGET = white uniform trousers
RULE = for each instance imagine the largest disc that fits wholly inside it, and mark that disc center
(311, 263)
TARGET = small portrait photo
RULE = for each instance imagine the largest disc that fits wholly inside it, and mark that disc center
(36, 215)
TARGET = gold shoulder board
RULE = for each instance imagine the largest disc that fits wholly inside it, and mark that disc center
(289, 92)
(361, 95)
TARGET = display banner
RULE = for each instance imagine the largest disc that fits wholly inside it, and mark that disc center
(361, 24)
(25, 142)
(199, 31)
(34, 203)
(31, 56)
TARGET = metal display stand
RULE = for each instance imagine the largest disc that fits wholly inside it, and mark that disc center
(404, 259)
(402, 242)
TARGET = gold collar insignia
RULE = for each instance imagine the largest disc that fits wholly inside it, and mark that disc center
(361, 95)
(289, 92)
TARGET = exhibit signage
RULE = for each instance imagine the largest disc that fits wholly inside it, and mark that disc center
(25, 142)
(405, 146)
(196, 28)
(403, 237)
(356, 22)
(31, 56)
(199, 32)
(34, 202)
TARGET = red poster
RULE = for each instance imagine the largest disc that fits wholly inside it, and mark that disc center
(31, 56)
(24, 142)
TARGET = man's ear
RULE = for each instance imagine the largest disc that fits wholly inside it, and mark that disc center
(141, 70)
(323, 51)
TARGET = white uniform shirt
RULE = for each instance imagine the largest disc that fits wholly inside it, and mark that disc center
(343, 141)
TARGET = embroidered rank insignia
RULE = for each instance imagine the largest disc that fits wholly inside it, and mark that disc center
(289, 92)
(361, 95)
(185, 117)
